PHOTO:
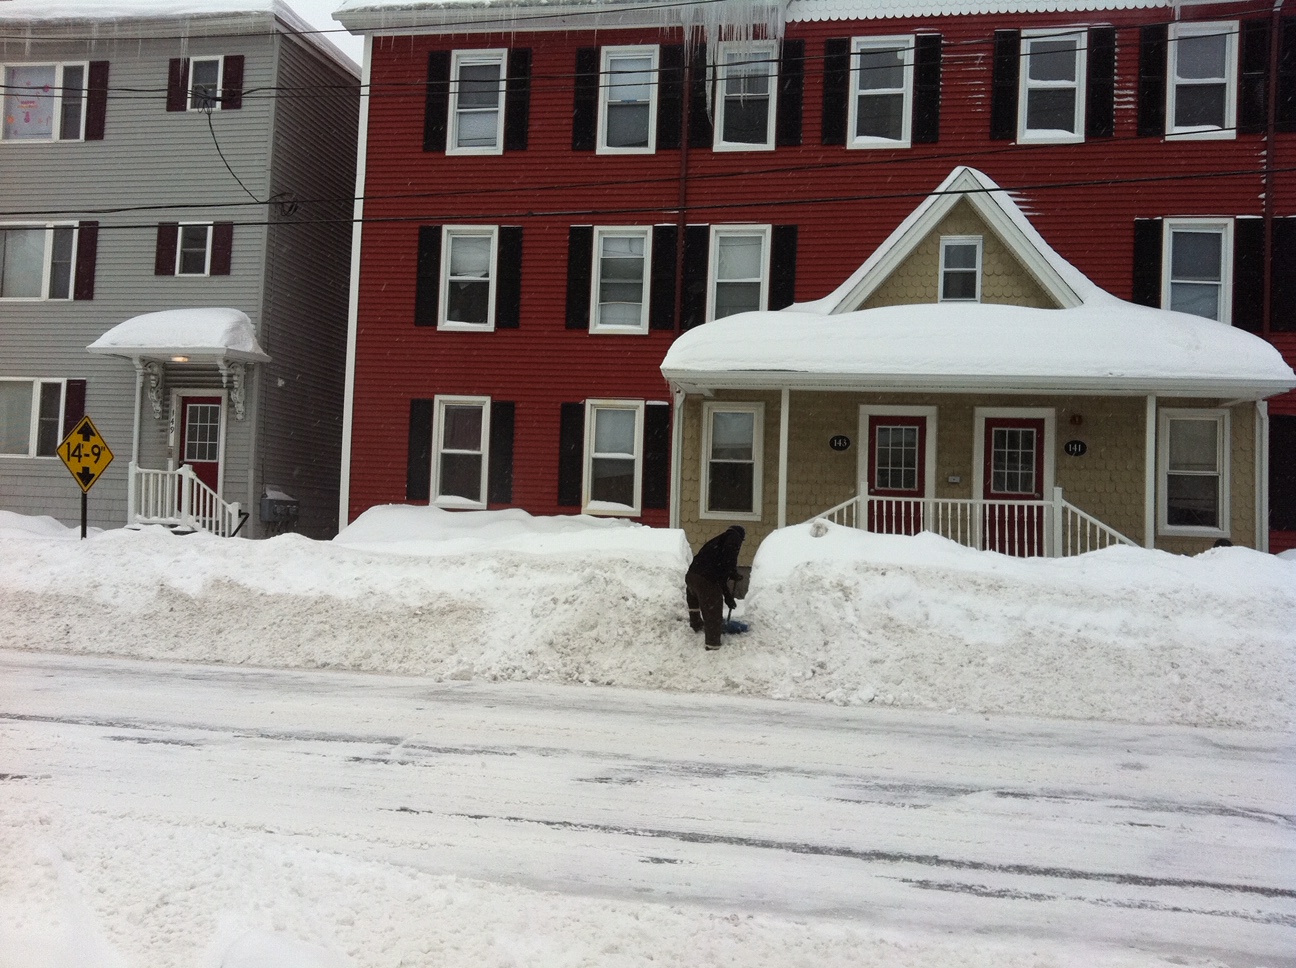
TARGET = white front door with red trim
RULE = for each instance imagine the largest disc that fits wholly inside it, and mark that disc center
(202, 419)
(895, 467)
(1013, 474)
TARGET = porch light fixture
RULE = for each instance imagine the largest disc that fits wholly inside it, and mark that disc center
(179, 359)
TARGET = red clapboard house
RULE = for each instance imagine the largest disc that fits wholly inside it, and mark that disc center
(551, 194)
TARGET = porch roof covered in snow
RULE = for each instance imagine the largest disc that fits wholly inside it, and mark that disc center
(219, 336)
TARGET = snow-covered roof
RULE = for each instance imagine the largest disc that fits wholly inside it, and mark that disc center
(198, 335)
(1096, 343)
(123, 18)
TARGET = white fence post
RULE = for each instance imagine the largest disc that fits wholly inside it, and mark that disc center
(1057, 551)
(132, 507)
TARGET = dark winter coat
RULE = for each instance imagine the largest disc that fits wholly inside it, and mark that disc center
(717, 560)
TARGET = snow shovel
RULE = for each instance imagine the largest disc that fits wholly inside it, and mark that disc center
(733, 626)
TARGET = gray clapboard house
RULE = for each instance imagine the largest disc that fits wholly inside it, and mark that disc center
(175, 229)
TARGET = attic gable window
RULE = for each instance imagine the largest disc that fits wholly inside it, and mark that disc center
(960, 268)
(628, 94)
(1202, 96)
(1052, 77)
(881, 92)
(745, 101)
(44, 102)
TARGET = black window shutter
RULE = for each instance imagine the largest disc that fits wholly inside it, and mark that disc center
(700, 126)
(164, 258)
(836, 90)
(222, 248)
(1248, 274)
(1100, 93)
(1282, 310)
(74, 404)
(585, 105)
(670, 96)
(1153, 41)
(427, 286)
(499, 474)
(791, 91)
(517, 99)
(1286, 114)
(656, 450)
(783, 255)
(571, 454)
(87, 252)
(925, 127)
(232, 83)
(96, 101)
(1282, 472)
(580, 267)
(1253, 77)
(436, 106)
(418, 471)
(508, 285)
(1146, 290)
(697, 253)
(1004, 84)
(661, 293)
(177, 98)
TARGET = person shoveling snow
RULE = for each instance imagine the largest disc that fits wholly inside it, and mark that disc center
(709, 585)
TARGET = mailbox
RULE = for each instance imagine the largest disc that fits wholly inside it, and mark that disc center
(278, 508)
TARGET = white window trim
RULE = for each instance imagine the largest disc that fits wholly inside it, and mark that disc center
(1229, 29)
(438, 424)
(758, 461)
(443, 302)
(605, 75)
(929, 414)
(945, 242)
(56, 131)
(606, 508)
(48, 267)
(722, 231)
(220, 84)
(858, 44)
(459, 59)
(753, 52)
(180, 251)
(176, 445)
(33, 428)
(600, 233)
(1224, 226)
(1052, 136)
(1223, 443)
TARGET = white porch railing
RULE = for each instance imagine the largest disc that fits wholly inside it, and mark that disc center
(178, 499)
(1051, 528)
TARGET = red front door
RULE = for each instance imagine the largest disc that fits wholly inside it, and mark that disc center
(896, 472)
(1014, 471)
(200, 436)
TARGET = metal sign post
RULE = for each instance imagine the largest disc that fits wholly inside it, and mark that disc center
(86, 456)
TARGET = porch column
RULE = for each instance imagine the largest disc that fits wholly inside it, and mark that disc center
(1149, 474)
(677, 451)
(783, 457)
(1262, 475)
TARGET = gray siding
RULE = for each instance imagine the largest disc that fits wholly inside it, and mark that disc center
(153, 166)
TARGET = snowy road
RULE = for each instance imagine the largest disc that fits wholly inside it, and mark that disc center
(1170, 841)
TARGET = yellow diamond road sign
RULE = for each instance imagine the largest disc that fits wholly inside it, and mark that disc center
(85, 453)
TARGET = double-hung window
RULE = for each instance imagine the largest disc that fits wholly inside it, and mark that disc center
(960, 279)
(628, 100)
(881, 92)
(745, 102)
(613, 456)
(44, 102)
(622, 258)
(31, 415)
(460, 432)
(193, 249)
(732, 441)
(205, 83)
(739, 270)
(1202, 93)
(36, 261)
(1051, 101)
(468, 278)
(1196, 267)
(477, 103)
(1193, 458)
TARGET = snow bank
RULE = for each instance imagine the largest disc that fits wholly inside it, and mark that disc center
(837, 615)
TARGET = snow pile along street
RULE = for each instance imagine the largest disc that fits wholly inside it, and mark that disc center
(837, 615)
